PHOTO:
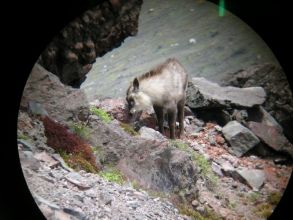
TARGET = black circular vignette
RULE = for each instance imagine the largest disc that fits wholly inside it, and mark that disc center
(31, 25)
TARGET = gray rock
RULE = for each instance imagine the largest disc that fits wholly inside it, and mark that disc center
(62, 163)
(254, 178)
(240, 115)
(241, 139)
(78, 180)
(36, 108)
(271, 136)
(151, 134)
(267, 119)
(75, 213)
(195, 203)
(45, 157)
(202, 93)
(217, 169)
(228, 170)
(28, 161)
(164, 169)
(26, 145)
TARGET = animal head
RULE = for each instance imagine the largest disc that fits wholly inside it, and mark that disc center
(137, 99)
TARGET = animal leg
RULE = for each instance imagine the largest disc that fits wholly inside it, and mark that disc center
(181, 106)
(159, 115)
(172, 122)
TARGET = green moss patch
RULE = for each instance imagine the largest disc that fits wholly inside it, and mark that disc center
(103, 115)
(129, 129)
(113, 175)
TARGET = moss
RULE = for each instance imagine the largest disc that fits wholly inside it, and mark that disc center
(264, 210)
(206, 170)
(113, 175)
(129, 129)
(103, 115)
(274, 198)
(180, 145)
(81, 130)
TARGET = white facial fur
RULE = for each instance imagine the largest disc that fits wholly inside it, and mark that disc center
(142, 102)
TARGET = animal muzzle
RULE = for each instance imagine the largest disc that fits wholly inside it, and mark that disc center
(134, 115)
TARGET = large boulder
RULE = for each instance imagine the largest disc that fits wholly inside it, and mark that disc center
(204, 94)
(161, 168)
(73, 51)
(45, 91)
(271, 136)
(153, 164)
(279, 102)
(241, 139)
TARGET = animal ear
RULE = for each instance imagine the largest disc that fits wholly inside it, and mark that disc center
(136, 84)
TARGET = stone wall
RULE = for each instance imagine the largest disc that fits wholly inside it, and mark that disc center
(73, 51)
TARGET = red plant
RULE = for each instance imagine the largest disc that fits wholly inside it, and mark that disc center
(61, 139)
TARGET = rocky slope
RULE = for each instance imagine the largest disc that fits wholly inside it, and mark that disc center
(196, 177)
(72, 52)
(192, 31)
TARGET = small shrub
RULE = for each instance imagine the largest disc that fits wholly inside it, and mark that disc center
(264, 210)
(113, 175)
(274, 198)
(129, 129)
(103, 115)
(73, 149)
(81, 130)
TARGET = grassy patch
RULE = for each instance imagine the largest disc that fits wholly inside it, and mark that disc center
(274, 198)
(103, 115)
(129, 129)
(113, 175)
(81, 130)
(264, 210)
